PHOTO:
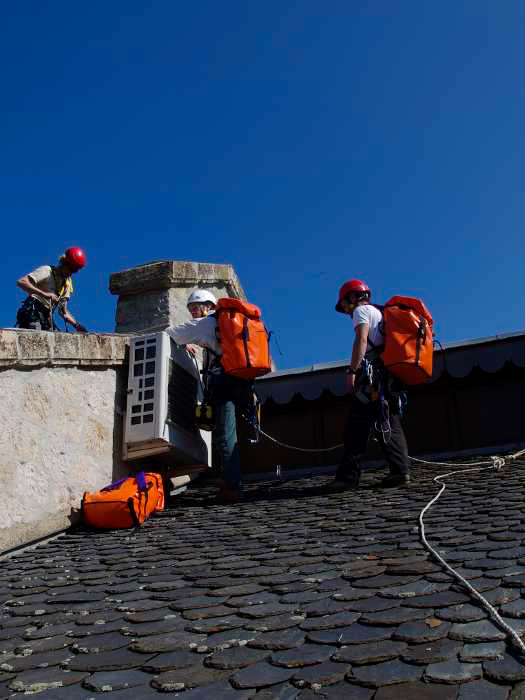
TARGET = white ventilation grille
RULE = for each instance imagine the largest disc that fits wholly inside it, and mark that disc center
(163, 388)
(144, 366)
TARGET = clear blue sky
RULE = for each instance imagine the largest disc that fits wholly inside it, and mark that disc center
(303, 142)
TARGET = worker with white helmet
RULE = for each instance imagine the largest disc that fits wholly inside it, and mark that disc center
(201, 302)
(229, 396)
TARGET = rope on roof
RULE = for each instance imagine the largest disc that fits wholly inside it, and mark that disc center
(299, 449)
(495, 463)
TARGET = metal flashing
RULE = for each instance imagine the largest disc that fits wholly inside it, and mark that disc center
(457, 358)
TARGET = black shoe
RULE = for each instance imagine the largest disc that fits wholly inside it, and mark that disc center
(344, 483)
(394, 480)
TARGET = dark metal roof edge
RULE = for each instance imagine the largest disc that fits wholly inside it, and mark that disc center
(337, 364)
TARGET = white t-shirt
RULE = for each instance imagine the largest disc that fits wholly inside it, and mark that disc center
(200, 331)
(366, 313)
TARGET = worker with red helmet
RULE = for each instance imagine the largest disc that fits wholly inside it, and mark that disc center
(49, 287)
(376, 403)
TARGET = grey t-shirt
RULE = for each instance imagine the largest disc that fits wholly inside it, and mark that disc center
(44, 279)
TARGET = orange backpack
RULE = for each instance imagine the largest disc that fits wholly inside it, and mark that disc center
(407, 327)
(125, 503)
(243, 338)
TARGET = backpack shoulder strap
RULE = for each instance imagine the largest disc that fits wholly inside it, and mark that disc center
(381, 309)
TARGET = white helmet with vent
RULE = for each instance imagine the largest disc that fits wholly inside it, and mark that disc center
(201, 296)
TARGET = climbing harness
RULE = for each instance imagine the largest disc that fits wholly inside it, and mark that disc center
(204, 416)
(204, 413)
(368, 382)
(37, 313)
(382, 424)
(252, 416)
(496, 463)
(33, 313)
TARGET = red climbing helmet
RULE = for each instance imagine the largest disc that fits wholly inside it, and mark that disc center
(75, 258)
(348, 287)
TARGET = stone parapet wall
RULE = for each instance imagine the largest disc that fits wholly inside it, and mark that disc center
(61, 410)
(63, 397)
(26, 348)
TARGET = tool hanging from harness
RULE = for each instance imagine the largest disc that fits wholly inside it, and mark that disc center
(374, 385)
(252, 416)
(204, 413)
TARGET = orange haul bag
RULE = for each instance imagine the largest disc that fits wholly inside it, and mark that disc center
(243, 338)
(124, 503)
(408, 339)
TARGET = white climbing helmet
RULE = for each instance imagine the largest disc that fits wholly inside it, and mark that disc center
(201, 296)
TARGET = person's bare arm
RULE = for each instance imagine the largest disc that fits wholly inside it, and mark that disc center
(67, 316)
(26, 284)
(358, 352)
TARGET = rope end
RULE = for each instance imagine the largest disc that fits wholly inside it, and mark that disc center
(497, 463)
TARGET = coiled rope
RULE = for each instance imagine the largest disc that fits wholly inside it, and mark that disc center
(496, 463)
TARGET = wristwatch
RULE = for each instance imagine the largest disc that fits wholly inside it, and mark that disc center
(351, 370)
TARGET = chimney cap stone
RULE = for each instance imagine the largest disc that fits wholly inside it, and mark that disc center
(165, 274)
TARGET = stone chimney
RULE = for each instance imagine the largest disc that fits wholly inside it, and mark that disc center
(153, 296)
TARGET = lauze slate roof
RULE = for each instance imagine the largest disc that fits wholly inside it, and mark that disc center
(296, 593)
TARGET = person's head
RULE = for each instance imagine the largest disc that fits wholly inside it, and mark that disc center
(200, 303)
(351, 294)
(73, 260)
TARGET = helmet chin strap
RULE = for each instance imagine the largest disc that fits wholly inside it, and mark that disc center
(205, 310)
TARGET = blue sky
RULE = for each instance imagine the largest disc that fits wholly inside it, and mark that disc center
(303, 142)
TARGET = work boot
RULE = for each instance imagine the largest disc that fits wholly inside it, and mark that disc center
(394, 480)
(227, 495)
(346, 482)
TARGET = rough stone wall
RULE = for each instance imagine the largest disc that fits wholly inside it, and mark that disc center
(61, 410)
(57, 441)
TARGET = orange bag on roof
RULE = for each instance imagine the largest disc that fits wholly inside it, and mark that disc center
(125, 503)
(243, 338)
(408, 339)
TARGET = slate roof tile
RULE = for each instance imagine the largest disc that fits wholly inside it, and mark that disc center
(245, 581)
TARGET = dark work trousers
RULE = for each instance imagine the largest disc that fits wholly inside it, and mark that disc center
(359, 425)
(230, 398)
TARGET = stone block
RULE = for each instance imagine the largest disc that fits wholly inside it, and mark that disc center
(8, 346)
(26, 348)
(94, 347)
(66, 346)
(175, 273)
(34, 346)
(120, 344)
(149, 311)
